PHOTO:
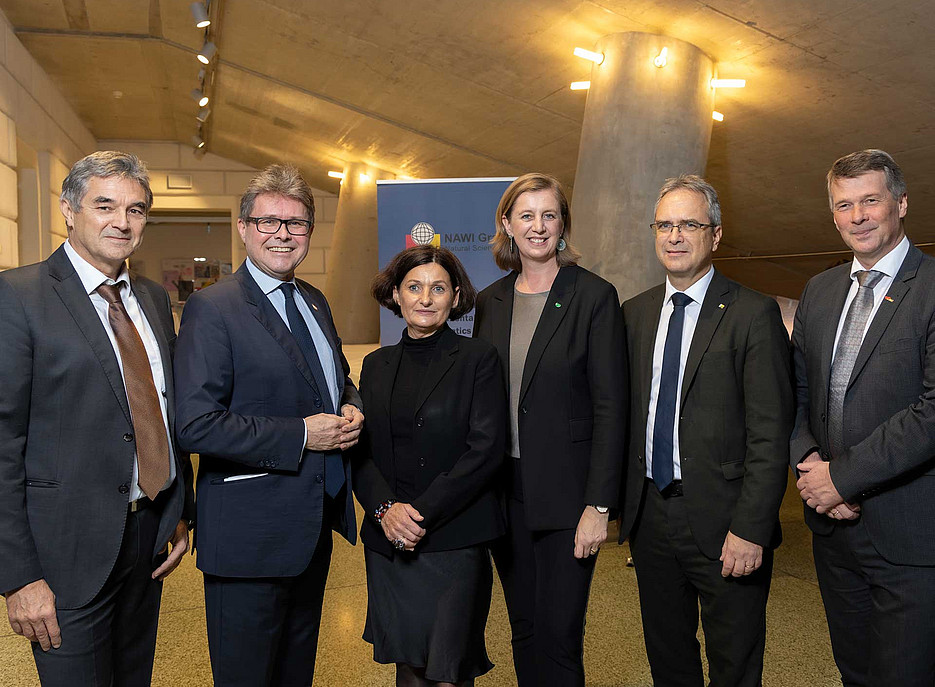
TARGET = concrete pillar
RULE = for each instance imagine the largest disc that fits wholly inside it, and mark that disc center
(352, 260)
(642, 124)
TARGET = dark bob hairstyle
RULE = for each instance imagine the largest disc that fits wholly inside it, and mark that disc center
(381, 288)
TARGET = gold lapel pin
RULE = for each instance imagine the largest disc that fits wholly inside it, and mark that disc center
(314, 307)
(721, 306)
(888, 298)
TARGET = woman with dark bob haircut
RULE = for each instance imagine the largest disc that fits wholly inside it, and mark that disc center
(423, 471)
(559, 333)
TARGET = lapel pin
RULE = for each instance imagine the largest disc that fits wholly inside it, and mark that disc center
(721, 306)
(888, 298)
(314, 307)
(558, 305)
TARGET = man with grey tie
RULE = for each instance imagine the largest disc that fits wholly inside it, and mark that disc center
(864, 439)
(264, 397)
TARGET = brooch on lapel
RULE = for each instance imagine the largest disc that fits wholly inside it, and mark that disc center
(558, 305)
(314, 307)
(721, 306)
(888, 298)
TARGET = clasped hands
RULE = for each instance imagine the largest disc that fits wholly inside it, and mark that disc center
(327, 432)
(400, 522)
(818, 491)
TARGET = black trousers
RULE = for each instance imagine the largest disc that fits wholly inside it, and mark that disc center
(263, 632)
(881, 616)
(673, 576)
(111, 641)
(546, 590)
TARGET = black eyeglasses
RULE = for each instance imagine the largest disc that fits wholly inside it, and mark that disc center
(684, 227)
(271, 225)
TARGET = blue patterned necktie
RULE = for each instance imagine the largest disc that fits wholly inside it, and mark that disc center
(334, 464)
(667, 401)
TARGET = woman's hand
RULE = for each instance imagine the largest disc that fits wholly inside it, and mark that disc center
(591, 532)
(401, 522)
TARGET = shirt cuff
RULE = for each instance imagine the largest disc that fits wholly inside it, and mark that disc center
(304, 441)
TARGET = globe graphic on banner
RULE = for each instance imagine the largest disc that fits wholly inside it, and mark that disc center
(422, 233)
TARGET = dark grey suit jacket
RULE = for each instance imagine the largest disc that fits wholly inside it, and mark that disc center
(66, 440)
(736, 412)
(889, 408)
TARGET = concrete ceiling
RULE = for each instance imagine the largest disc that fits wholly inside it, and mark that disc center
(450, 88)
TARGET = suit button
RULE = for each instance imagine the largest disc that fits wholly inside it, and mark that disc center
(640, 458)
(124, 488)
(822, 417)
(419, 422)
(319, 478)
(421, 462)
(524, 410)
(318, 403)
(128, 437)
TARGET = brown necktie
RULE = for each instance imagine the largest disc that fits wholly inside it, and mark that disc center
(152, 445)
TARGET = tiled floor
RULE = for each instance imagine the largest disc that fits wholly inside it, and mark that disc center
(798, 652)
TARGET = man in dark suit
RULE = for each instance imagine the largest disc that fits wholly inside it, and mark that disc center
(264, 397)
(864, 440)
(711, 412)
(92, 488)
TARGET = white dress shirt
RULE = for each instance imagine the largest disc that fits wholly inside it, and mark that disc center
(889, 265)
(91, 278)
(697, 293)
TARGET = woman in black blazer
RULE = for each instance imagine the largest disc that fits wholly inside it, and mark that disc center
(559, 334)
(432, 445)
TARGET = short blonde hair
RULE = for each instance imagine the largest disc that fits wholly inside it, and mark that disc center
(501, 244)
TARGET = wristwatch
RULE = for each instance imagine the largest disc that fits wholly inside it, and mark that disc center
(600, 509)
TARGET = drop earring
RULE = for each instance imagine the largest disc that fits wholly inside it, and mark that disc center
(512, 247)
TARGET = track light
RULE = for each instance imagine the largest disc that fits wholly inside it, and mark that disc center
(580, 85)
(198, 142)
(595, 57)
(717, 116)
(203, 114)
(336, 175)
(199, 96)
(200, 13)
(207, 52)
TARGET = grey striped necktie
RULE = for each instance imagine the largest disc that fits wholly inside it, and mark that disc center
(845, 355)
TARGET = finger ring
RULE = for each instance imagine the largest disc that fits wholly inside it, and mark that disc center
(834, 512)
(594, 551)
(399, 544)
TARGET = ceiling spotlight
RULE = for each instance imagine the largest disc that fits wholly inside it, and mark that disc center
(580, 85)
(207, 52)
(728, 83)
(364, 178)
(200, 259)
(200, 13)
(198, 94)
(336, 175)
(198, 142)
(660, 59)
(717, 116)
(203, 114)
(595, 57)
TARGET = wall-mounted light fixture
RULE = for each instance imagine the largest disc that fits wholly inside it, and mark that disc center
(717, 116)
(728, 83)
(207, 52)
(200, 13)
(580, 85)
(661, 59)
(364, 178)
(336, 175)
(595, 57)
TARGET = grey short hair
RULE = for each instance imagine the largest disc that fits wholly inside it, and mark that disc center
(281, 180)
(693, 182)
(864, 161)
(104, 164)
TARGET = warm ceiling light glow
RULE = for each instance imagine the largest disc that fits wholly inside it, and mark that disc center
(580, 85)
(660, 59)
(207, 52)
(728, 83)
(200, 13)
(717, 116)
(203, 114)
(364, 178)
(200, 259)
(336, 175)
(198, 94)
(595, 57)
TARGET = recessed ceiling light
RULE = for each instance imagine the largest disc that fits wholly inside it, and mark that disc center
(595, 57)
(717, 116)
(580, 85)
(336, 175)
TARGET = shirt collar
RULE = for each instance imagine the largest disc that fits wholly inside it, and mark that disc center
(889, 264)
(266, 283)
(696, 291)
(90, 276)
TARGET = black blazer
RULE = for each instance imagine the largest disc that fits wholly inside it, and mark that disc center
(889, 407)
(458, 434)
(736, 412)
(66, 439)
(572, 405)
(244, 389)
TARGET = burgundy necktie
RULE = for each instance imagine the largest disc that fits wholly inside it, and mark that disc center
(152, 444)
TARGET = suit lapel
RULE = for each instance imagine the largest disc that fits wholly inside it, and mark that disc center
(266, 314)
(650, 324)
(387, 374)
(556, 306)
(717, 301)
(887, 309)
(442, 361)
(501, 319)
(70, 289)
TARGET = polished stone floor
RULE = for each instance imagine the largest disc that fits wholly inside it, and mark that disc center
(798, 652)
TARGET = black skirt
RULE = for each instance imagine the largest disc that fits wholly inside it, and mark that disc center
(429, 610)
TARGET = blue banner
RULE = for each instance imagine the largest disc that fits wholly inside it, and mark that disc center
(457, 214)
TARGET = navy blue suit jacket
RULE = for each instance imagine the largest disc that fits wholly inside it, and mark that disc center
(243, 389)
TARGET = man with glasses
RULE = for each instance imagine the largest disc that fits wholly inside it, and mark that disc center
(264, 398)
(711, 410)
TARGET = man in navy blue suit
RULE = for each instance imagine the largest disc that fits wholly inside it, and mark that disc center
(264, 398)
